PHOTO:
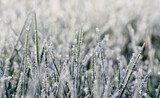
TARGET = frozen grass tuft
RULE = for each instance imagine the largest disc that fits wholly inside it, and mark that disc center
(62, 54)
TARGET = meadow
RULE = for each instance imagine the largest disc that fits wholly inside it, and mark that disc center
(79, 49)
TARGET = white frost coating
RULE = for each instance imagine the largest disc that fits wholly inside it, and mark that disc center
(95, 64)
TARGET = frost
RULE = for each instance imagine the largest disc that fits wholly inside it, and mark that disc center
(82, 49)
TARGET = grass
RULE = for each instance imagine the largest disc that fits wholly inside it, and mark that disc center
(93, 64)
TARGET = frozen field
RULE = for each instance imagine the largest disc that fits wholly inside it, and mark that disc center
(79, 49)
